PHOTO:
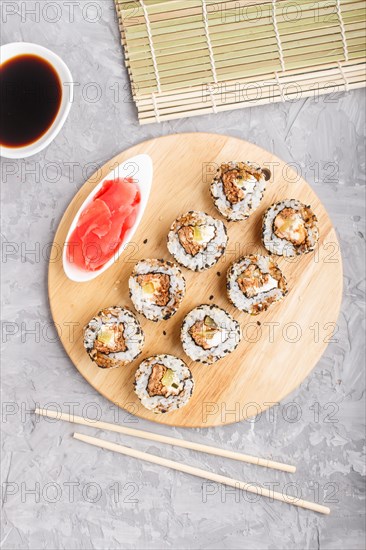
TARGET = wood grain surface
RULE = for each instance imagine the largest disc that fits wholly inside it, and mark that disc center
(279, 347)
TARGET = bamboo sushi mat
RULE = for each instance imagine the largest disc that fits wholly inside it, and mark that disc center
(193, 57)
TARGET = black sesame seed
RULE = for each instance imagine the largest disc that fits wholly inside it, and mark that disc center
(211, 297)
(145, 241)
(259, 323)
(218, 274)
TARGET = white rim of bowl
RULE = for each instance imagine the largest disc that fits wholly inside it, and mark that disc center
(15, 49)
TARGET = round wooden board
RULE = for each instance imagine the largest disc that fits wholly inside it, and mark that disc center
(279, 347)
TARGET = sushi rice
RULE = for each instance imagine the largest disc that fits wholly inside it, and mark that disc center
(157, 288)
(163, 383)
(238, 188)
(113, 338)
(209, 333)
(197, 241)
(254, 283)
(289, 228)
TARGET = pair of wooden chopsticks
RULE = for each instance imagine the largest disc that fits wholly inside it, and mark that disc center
(102, 443)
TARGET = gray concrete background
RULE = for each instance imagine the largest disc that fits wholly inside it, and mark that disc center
(58, 493)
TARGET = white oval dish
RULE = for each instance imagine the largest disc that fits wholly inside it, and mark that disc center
(140, 168)
(8, 51)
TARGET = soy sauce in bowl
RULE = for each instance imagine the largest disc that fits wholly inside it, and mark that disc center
(30, 99)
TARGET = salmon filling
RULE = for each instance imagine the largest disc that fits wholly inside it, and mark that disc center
(110, 339)
(161, 381)
(252, 281)
(289, 224)
(156, 287)
(195, 238)
(233, 192)
(206, 333)
(234, 181)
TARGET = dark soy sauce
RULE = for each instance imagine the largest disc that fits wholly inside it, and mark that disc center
(30, 99)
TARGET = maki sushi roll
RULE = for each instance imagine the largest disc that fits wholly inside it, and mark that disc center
(157, 289)
(238, 188)
(163, 383)
(209, 333)
(254, 283)
(113, 338)
(197, 240)
(289, 228)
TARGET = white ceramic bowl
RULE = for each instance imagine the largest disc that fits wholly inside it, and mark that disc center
(8, 51)
(141, 169)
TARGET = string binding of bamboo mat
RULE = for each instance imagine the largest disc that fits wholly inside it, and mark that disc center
(194, 57)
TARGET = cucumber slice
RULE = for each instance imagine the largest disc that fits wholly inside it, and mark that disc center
(168, 378)
(106, 336)
(149, 288)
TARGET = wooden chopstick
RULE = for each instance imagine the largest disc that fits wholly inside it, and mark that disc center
(201, 473)
(168, 440)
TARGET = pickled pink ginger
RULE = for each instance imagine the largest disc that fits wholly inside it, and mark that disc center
(102, 225)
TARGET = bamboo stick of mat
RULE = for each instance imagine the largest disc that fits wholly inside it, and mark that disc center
(198, 472)
(168, 440)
